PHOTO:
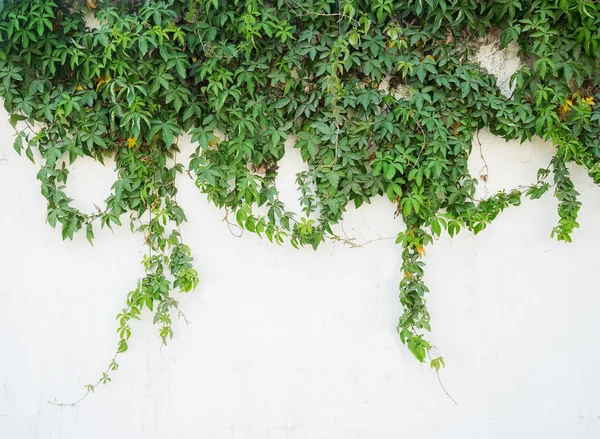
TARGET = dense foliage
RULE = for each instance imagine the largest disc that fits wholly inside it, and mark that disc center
(241, 76)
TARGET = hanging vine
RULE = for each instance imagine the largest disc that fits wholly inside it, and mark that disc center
(242, 76)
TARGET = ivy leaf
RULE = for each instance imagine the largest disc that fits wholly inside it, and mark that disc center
(333, 178)
(143, 45)
(407, 207)
(52, 155)
(89, 234)
(18, 144)
(15, 118)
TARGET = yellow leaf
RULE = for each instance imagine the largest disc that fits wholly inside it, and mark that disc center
(421, 250)
(101, 80)
(91, 4)
(589, 100)
(79, 87)
(563, 109)
(131, 142)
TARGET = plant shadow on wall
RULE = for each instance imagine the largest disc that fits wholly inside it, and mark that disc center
(243, 75)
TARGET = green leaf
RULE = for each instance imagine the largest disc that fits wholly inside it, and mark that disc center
(18, 144)
(407, 207)
(15, 118)
(143, 45)
(436, 228)
(389, 172)
(334, 179)
(89, 233)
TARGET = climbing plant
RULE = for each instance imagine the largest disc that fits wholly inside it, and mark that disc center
(381, 96)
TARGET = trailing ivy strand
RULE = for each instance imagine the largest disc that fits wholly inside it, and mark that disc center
(381, 97)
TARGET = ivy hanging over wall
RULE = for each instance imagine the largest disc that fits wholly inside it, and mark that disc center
(242, 76)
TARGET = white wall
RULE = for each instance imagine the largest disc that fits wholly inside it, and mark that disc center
(301, 344)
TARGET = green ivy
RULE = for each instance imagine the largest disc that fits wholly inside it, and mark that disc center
(243, 76)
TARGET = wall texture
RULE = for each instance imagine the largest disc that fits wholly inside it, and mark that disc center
(301, 344)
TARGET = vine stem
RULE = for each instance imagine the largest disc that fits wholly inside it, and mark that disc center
(231, 224)
(437, 372)
(485, 165)
(351, 241)
(105, 378)
(522, 187)
(73, 404)
(423, 146)
(181, 315)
